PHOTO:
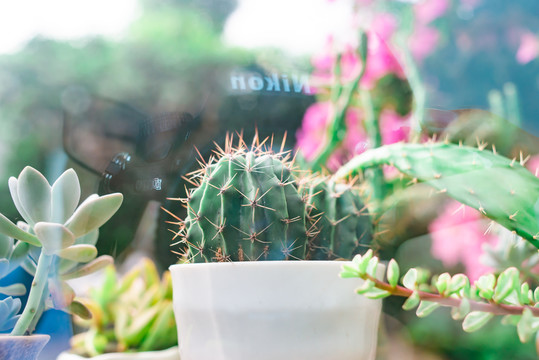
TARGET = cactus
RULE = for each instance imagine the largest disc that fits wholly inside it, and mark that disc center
(132, 315)
(338, 218)
(251, 205)
(56, 241)
(500, 188)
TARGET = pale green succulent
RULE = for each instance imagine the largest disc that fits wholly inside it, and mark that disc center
(130, 314)
(56, 242)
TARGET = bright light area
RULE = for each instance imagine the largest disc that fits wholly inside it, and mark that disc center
(21, 20)
(298, 26)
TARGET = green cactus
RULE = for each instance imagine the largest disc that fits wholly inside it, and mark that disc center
(251, 205)
(56, 241)
(502, 189)
(130, 316)
(339, 220)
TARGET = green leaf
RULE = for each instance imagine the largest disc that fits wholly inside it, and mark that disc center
(6, 246)
(376, 293)
(364, 262)
(457, 283)
(34, 194)
(458, 313)
(536, 294)
(65, 194)
(393, 273)
(89, 268)
(77, 308)
(426, 308)
(349, 271)
(524, 294)
(475, 320)
(366, 286)
(442, 283)
(410, 279)
(412, 301)
(372, 266)
(485, 284)
(10, 229)
(508, 281)
(13, 189)
(80, 253)
(94, 212)
(53, 236)
(13, 290)
(527, 326)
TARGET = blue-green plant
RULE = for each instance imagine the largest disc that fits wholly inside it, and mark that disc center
(54, 243)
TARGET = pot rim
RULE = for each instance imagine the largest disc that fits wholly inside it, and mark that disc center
(42, 336)
(264, 263)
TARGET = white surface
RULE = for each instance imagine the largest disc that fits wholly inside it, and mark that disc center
(169, 354)
(272, 310)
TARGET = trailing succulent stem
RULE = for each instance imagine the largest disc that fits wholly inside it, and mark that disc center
(250, 205)
(501, 189)
(476, 303)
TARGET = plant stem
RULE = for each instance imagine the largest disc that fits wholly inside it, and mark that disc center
(375, 175)
(31, 310)
(494, 308)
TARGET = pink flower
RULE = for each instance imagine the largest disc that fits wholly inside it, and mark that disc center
(423, 41)
(533, 165)
(394, 128)
(429, 10)
(528, 49)
(312, 135)
(458, 235)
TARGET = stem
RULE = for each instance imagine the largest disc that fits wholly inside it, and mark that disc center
(372, 125)
(494, 308)
(420, 95)
(31, 310)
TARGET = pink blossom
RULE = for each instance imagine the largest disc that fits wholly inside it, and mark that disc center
(429, 10)
(528, 49)
(458, 235)
(423, 41)
(533, 165)
(394, 128)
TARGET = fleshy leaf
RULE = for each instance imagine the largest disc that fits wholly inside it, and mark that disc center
(13, 290)
(80, 253)
(393, 273)
(412, 301)
(10, 229)
(77, 308)
(65, 196)
(426, 308)
(13, 189)
(6, 246)
(376, 293)
(410, 279)
(93, 213)
(34, 194)
(442, 283)
(458, 313)
(508, 281)
(53, 236)
(475, 320)
(89, 268)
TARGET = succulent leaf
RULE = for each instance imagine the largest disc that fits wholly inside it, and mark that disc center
(65, 196)
(476, 320)
(79, 253)
(93, 213)
(34, 194)
(13, 231)
(53, 236)
(9, 308)
(77, 308)
(13, 290)
(89, 268)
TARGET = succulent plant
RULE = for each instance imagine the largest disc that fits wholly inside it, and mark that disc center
(132, 315)
(249, 204)
(56, 241)
(500, 188)
(339, 221)
(9, 310)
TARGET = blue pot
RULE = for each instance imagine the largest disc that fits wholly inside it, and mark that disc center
(22, 347)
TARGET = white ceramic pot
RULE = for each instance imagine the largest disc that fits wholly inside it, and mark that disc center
(291, 310)
(169, 354)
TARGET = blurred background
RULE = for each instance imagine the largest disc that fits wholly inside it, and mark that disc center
(122, 92)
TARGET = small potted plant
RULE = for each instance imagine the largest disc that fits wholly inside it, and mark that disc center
(240, 296)
(55, 243)
(132, 318)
